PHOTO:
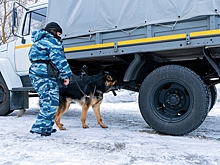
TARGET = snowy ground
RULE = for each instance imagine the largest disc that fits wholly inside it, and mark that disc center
(127, 141)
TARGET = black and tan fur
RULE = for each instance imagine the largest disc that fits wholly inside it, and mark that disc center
(88, 93)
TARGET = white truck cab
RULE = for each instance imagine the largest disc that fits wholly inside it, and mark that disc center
(14, 62)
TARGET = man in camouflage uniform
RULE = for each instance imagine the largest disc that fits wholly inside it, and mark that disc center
(47, 46)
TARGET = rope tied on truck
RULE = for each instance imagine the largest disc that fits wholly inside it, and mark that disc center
(128, 33)
(172, 27)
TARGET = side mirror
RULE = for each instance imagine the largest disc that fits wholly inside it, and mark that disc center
(15, 21)
(14, 18)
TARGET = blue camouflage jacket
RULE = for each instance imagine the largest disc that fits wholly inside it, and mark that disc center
(47, 47)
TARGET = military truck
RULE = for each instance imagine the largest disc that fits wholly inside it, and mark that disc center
(168, 51)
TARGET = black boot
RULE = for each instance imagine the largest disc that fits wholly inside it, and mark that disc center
(42, 133)
(53, 130)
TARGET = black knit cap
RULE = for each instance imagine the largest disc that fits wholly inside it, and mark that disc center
(53, 25)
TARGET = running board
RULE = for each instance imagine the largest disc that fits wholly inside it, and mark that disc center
(23, 89)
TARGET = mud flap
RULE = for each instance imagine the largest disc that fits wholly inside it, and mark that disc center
(18, 100)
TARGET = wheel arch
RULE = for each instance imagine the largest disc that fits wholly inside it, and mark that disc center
(134, 68)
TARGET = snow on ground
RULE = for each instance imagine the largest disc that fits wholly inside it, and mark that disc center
(127, 141)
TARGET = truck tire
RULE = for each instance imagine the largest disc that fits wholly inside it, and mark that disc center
(213, 96)
(174, 100)
(4, 98)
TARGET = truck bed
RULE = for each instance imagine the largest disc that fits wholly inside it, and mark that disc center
(169, 41)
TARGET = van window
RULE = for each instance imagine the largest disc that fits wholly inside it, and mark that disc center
(34, 20)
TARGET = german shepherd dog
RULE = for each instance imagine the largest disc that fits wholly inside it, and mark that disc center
(88, 92)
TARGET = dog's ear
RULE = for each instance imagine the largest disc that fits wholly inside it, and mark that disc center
(108, 77)
(109, 80)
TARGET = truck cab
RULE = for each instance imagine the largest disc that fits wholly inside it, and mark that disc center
(15, 84)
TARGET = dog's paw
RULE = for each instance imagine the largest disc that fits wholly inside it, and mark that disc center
(21, 112)
(62, 128)
(104, 126)
(85, 126)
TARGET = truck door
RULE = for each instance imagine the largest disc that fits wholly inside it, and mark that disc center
(33, 20)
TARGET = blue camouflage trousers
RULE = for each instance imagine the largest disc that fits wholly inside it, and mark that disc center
(48, 93)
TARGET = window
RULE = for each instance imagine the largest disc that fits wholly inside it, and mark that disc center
(34, 20)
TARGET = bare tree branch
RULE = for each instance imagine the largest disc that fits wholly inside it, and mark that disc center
(3, 23)
(6, 17)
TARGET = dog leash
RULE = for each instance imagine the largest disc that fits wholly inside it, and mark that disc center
(82, 90)
(79, 87)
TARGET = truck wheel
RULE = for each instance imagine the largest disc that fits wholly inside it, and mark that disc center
(4, 98)
(213, 96)
(174, 100)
